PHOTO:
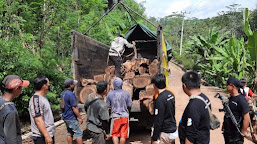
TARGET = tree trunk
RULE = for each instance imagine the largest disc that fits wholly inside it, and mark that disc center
(86, 91)
(127, 65)
(127, 86)
(129, 76)
(110, 70)
(154, 67)
(148, 103)
(150, 90)
(142, 70)
(111, 83)
(107, 77)
(86, 82)
(141, 81)
(99, 78)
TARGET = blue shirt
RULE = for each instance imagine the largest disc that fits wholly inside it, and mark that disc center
(69, 102)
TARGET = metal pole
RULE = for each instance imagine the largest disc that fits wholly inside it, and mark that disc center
(181, 39)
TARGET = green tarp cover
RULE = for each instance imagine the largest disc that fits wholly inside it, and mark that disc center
(142, 32)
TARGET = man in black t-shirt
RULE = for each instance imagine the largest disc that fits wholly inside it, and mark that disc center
(165, 128)
(194, 127)
(240, 109)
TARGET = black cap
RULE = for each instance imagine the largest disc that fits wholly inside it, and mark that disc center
(243, 80)
(235, 82)
(70, 81)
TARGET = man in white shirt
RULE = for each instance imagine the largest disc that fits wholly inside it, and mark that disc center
(247, 91)
(116, 51)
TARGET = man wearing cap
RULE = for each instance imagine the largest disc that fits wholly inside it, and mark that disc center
(41, 116)
(248, 92)
(240, 109)
(10, 130)
(116, 51)
(71, 115)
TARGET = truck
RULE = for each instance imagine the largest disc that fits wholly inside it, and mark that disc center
(90, 57)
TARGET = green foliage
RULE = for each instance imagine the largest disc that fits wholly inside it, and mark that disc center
(252, 38)
(221, 57)
(35, 38)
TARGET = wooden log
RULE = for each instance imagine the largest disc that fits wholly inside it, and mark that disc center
(142, 93)
(111, 83)
(127, 86)
(127, 65)
(150, 90)
(86, 91)
(142, 70)
(148, 103)
(85, 82)
(141, 81)
(107, 77)
(154, 67)
(99, 78)
(129, 75)
(155, 61)
(110, 70)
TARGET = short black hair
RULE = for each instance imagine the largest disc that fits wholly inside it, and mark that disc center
(192, 80)
(3, 90)
(39, 81)
(159, 80)
(101, 86)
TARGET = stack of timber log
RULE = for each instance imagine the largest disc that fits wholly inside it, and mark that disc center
(137, 74)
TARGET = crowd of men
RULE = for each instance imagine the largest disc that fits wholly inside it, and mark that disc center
(110, 119)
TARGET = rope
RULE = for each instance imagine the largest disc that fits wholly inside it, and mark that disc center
(101, 18)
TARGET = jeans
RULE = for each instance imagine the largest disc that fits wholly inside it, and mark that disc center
(40, 140)
(117, 60)
(73, 128)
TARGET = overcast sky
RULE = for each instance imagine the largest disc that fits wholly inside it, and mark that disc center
(197, 8)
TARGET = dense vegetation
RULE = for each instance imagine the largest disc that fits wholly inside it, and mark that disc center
(218, 47)
(35, 38)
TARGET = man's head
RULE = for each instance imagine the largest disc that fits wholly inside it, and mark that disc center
(191, 80)
(41, 83)
(70, 83)
(243, 81)
(121, 35)
(13, 84)
(159, 81)
(233, 85)
(102, 87)
(117, 83)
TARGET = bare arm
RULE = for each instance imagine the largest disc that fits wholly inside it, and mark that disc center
(146, 97)
(187, 141)
(76, 111)
(42, 128)
(246, 121)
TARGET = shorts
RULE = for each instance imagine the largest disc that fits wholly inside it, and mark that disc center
(40, 140)
(120, 127)
(98, 138)
(167, 138)
(73, 128)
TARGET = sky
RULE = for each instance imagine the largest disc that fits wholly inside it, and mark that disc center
(194, 8)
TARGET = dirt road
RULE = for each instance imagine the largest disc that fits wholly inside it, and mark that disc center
(140, 135)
